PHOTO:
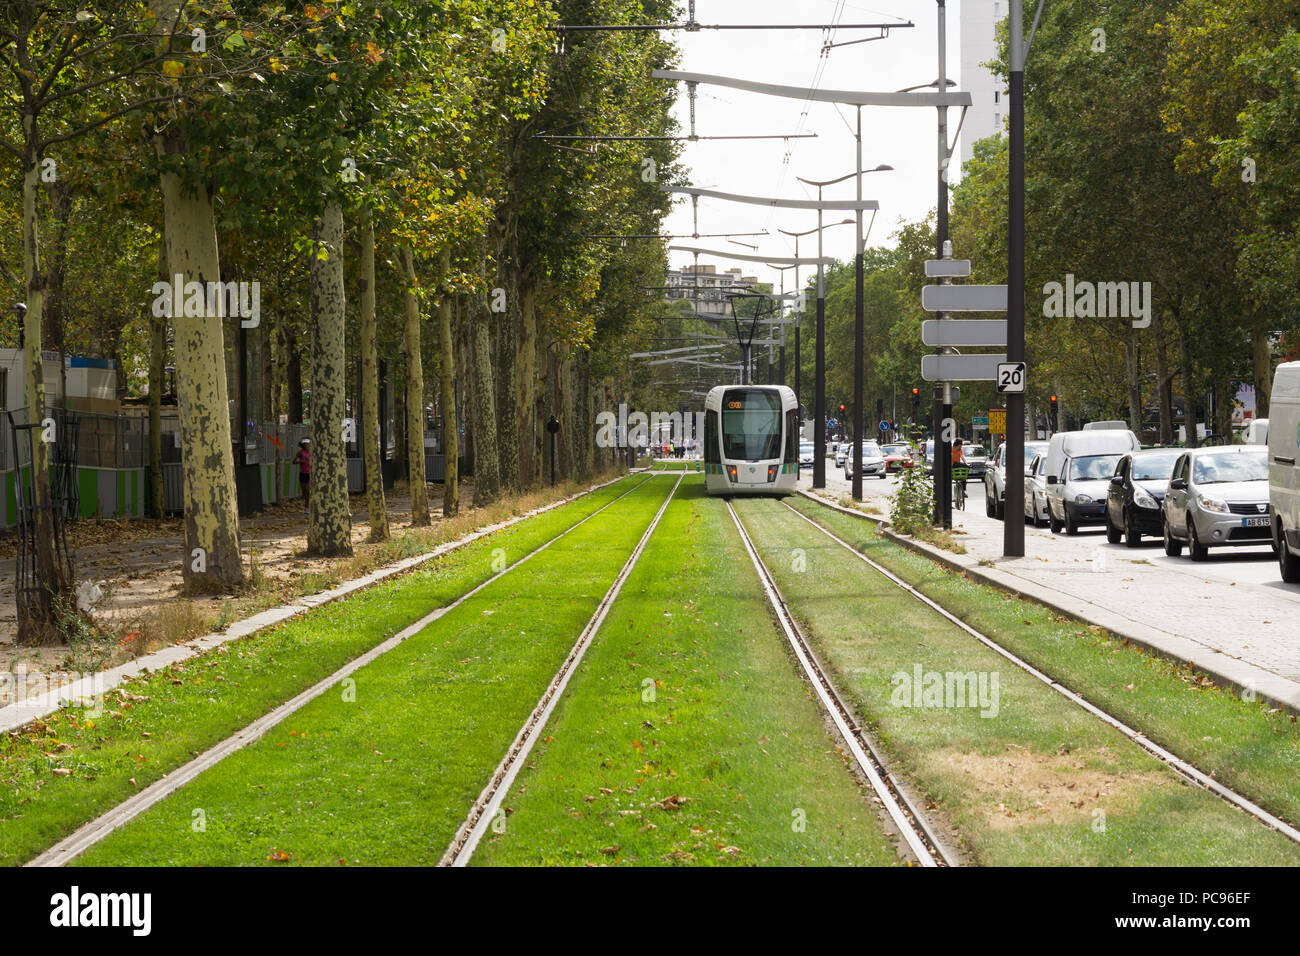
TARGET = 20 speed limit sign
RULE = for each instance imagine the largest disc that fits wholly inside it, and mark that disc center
(1011, 377)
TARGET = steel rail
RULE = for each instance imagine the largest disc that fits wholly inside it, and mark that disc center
(87, 835)
(1180, 766)
(921, 840)
(485, 809)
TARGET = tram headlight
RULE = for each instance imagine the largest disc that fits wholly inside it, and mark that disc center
(731, 473)
(772, 471)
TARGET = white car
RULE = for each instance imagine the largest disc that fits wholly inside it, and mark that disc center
(995, 477)
(1036, 491)
(873, 462)
(1283, 474)
(841, 452)
(806, 454)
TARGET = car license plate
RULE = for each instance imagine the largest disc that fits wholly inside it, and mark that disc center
(1260, 522)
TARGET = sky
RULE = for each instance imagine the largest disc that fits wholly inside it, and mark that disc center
(902, 137)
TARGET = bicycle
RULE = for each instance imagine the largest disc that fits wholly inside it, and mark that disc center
(959, 475)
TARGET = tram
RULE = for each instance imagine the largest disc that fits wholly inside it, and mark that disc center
(751, 440)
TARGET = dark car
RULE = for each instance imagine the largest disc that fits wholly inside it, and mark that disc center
(1136, 493)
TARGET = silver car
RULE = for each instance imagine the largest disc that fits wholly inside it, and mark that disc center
(1217, 496)
(1036, 490)
(995, 477)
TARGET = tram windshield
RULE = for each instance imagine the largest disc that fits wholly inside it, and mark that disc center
(751, 424)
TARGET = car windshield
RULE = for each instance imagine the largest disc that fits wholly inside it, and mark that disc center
(805, 448)
(895, 449)
(1155, 467)
(976, 451)
(1093, 467)
(751, 424)
(1031, 453)
(1217, 467)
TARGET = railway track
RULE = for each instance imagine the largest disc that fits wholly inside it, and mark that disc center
(1180, 766)
(485, 809)
(923, 844)
(97, 829)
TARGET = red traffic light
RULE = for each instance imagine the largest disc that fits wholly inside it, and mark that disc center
(841, 408)
(1053, 399)
(916, 392)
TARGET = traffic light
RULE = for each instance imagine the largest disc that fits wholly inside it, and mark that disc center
(916, 405)
(841, 408)
(1053, 409)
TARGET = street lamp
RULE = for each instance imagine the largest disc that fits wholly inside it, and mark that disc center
(798, 355)
(819, 410)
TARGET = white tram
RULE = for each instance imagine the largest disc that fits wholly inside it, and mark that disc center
(751, 440)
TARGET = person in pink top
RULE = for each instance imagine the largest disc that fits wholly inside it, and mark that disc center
(303, 460)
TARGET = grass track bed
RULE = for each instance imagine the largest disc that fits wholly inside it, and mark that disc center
(1242, 744)
(716, 769)
(1038, 781)
(154, 724)
(387, 778)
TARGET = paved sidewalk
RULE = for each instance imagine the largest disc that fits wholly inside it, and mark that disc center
(1231, 616)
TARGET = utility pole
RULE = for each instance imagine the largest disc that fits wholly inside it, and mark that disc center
(943, 393)
(859, 347)
(1013, 532)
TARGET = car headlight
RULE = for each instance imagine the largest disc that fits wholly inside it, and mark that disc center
(1213, 504)
(1143, 499)
(1082, 500)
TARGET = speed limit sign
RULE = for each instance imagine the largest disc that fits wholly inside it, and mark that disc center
(1011, 377)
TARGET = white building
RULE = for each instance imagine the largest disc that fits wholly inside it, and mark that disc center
(708, 288)
(979, 25)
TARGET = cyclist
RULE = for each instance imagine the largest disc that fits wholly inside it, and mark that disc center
(959, 477)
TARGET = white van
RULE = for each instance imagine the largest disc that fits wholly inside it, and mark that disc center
(1105, 426)
(1283, 476)
(1079, 468)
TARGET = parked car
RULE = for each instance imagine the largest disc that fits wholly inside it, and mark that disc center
(1136, 493)
(995, 477)
(841, 451)
(897, 457)
(806, 454)
(1036, 491)
(1079, 468)
(1217, 496)
(1283, 477)
(927, 455)
(873, 462)
(977, 460)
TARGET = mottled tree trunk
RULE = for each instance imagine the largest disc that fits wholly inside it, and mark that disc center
(1134, 381)
(1261, 354)
(487, 476)
(527, 426)
(157, 373)
(371, 452)
(1164, 379)
(1189, 385)
(507, 394)
(416, 474)
(447, 394)
(53, 570)
(329, 531)
(211, 562)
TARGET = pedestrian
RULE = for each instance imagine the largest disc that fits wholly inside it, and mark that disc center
(303, 460)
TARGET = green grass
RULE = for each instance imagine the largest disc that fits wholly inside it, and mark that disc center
(388, 777)
(1247, 745)
(1028, 784)
(153, 724)
(688, 696)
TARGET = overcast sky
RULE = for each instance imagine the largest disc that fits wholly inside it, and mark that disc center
(902, 137)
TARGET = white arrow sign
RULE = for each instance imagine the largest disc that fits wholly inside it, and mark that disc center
(964, 298)
(947, 268)
(964, 332)
(961, 368)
